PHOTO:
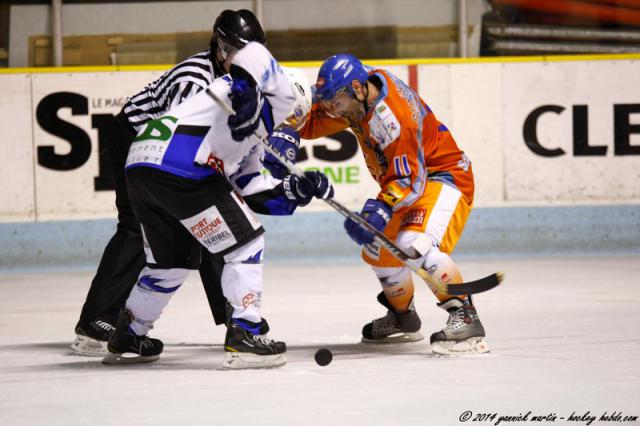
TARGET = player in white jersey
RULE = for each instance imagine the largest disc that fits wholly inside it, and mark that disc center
(123, 257)
(183, 170)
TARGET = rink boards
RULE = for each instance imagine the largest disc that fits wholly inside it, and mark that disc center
(538, 132)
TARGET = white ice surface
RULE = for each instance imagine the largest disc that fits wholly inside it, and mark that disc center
(565, 336)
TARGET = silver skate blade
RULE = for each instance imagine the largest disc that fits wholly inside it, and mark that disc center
(87, 346)
(471, 346)
(244, 361)
(128, 358)
(396, 338)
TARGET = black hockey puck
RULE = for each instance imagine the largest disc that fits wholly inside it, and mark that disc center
(323, 357)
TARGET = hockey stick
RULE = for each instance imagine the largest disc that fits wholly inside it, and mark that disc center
(461, 289)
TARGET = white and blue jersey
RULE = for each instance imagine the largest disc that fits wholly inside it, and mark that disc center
(194, 141)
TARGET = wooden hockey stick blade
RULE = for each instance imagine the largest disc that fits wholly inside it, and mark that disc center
(477, 286)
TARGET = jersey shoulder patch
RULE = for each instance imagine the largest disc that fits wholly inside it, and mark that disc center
(384, 125)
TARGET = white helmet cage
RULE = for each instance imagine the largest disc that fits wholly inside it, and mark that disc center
(302, 93)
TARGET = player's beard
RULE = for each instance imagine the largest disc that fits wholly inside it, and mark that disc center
(355, 114)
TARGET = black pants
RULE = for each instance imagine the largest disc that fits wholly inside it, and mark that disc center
(179, 216)
(124, 257)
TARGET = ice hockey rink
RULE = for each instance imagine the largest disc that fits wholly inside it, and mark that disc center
(563, 333)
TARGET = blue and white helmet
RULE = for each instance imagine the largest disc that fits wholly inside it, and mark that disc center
(337, 74)
(302, 94)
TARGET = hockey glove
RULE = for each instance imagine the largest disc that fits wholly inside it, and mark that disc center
(377, 213)
(246, 101)
(286, 141)
(302, 190)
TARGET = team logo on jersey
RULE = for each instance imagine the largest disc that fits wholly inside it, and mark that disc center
(414, 217)
(385, 127)
(216, 164)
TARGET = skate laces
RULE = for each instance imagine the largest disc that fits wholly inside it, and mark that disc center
(262, 338)
(456, 319)
(145, 342)
(386, 323)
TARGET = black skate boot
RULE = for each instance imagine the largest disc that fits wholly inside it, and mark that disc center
(263, 326)
(463, 334)
(126, 347)
(245, 347)
(394, 327)
(91, 338)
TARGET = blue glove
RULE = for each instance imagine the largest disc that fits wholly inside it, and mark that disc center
(286, 141)
(246, 102)
(377, 213)
(302, 190)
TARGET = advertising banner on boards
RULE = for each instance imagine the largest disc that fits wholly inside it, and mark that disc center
(71, 114)
(66, 162)
(537, 133)
(571, 131)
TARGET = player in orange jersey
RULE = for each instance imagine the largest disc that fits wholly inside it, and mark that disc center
(425, 197)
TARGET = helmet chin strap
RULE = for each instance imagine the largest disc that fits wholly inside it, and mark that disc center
(366, 95)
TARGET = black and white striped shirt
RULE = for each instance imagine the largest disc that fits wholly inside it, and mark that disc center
(172, 88)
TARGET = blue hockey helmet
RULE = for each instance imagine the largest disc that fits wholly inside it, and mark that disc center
(337, 74)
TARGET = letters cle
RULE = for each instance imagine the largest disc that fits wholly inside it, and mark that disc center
(623, 130)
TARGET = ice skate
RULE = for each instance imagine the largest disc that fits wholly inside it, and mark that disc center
(463, 334)
(246, 348)
(91, 338)
(263, 326)
(126, 347)
(394, 327)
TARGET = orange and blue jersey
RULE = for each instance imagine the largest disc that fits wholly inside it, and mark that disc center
(403, 143)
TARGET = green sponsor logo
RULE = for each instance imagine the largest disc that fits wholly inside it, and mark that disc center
(340, 174)
(157, 130)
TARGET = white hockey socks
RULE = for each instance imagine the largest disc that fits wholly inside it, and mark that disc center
(397, 285)
(242, 280)
(151, 294)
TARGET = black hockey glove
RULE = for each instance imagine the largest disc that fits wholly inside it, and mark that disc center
(246, 101)
(286, 141)
(377, 213)
(302, 190)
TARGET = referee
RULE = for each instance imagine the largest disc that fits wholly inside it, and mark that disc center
(124, 257)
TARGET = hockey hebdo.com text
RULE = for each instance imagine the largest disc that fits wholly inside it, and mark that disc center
(578, 418)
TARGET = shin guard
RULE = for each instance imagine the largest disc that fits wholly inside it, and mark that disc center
(151, 294)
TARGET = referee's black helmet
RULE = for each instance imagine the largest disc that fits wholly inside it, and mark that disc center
(237, 28)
